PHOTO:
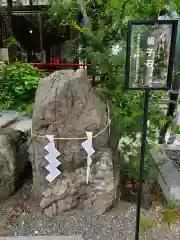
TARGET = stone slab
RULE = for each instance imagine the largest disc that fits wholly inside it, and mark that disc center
(4, 56)
(8, 118)
(168, 176)
(42, 238)
(178, 138)
(23, 125)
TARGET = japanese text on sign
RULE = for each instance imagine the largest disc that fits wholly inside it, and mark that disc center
(137, 58)
(150, 52)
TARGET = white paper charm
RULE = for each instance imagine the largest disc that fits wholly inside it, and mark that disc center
(53, 153)
(87, 145)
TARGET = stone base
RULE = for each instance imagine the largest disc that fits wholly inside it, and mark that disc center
(168, 177)
(42, 238)
(71, 190)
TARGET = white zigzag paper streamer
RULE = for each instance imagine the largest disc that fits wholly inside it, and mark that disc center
(53, 153)
(87, 145)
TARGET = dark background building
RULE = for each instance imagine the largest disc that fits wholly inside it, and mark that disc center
(39, 40)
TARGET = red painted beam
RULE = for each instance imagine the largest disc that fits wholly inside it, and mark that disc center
(59, 65)
(47, 65)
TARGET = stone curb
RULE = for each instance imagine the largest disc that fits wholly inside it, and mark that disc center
(42, 238)
(168, 176)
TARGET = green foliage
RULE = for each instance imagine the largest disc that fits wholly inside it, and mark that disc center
(107, 28)
(18, 87)
(175, 4)
(2, 65)
(12, 42)
(170, 213)
(13, 48)
(177, 130)
(145, 223)
(68, 11)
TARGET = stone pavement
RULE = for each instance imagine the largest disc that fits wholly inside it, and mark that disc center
(42, 238)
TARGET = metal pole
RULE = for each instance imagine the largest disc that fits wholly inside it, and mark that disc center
(141, 170)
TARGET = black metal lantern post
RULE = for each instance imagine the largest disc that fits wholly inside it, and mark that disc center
(149, 66)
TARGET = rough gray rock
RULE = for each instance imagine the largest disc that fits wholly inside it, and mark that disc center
(67, 106)
(13, 161)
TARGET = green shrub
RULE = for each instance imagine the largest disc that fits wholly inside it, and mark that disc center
(18, 86)
(169, 213)
(145, 223)
(102, 42)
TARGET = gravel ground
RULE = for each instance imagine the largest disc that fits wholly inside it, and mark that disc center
(21, 216)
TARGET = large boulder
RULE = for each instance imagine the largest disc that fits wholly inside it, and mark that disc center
(13, 161)
(67, 106)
